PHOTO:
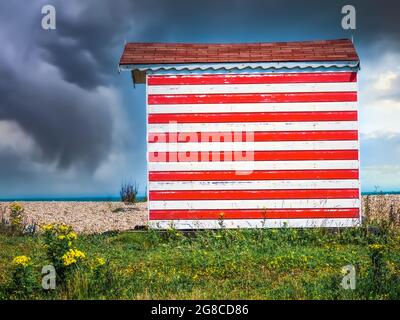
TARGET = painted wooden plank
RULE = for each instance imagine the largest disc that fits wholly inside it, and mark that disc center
(252, 107)
(253, 78)
(255, 223)
(254, 175)
(256, 136)
(204, 156)
(253, 194)
(254, 204)
(253, 88)
(253, 165)
(254, 185)
(254, 214)
(253, 117)
(253, 146)
(253, 126)
(252, 97)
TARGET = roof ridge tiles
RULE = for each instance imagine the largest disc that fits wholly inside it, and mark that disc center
(137, 53)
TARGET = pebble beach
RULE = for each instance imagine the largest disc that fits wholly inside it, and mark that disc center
(84, 216)
(98, 217)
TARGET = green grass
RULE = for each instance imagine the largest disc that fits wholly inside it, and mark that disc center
(227, 264)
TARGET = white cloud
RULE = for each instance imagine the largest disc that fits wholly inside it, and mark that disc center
(15, 138)
(379, 93)
(380, 158)
(380, 178)
(385, 80)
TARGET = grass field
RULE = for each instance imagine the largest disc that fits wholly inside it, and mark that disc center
(225, 264)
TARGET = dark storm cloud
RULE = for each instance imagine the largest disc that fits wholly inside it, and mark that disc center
(89, 39)
(262, 20)
(59, 86)
(74, 129)
(70, 126)
(90, 35)
(82, 45)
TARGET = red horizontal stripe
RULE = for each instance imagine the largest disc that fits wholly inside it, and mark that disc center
(193, 156)
(257, 136)
(253, 97)
(254, 175)
(314, 77)
(254, 214)
(254, 194)
(254, 117)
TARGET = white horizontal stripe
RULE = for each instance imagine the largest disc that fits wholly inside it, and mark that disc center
(254, 185)
(249, 166)
(252, 107)
(253, 146)
(254, 204)
(252, 88)
(254, 223)
(253, 126)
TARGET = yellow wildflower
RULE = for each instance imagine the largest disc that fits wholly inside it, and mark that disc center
(63, 228)
(15, 207)
(79, 254)
(21, 261)
(16, 221)
(376, 246)
(47, 227)
(72, 256)
(68, 260)
(100, 261)
(72, 236)
(61, 237)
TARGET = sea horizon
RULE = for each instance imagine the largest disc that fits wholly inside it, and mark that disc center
(81, 199)
(140, 198)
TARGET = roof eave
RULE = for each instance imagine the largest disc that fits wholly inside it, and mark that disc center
(139, 70)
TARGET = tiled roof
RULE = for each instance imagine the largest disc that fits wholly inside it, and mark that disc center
(136, 53)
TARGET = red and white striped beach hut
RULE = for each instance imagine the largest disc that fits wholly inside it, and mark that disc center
(250, 135)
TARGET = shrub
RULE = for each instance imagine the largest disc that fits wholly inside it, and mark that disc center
(101, 277)
(367, 211)
(14, 223)
(128, 192)
(4, 225)
(93, 279)
(23, 281)
(16, 213)
(377, 272)
(60, 248)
